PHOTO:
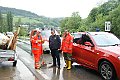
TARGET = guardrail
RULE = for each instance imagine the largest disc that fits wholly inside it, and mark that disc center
(26, 42)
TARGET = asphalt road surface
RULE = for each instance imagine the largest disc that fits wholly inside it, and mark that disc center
(20, 72)
(53, 73)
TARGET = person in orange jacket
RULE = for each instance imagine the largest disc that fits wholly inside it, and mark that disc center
(66, 47)
(37, 49)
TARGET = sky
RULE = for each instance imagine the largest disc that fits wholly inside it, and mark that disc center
(54, 8)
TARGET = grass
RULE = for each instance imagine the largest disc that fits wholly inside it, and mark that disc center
(25, 19)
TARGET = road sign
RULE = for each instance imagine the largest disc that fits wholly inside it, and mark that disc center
(107, 26)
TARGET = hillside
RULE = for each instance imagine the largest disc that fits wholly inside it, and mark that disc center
(28, 17)
(18, 12)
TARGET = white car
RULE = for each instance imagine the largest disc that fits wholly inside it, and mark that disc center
(46, 34)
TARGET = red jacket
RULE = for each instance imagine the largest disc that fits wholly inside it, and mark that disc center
(37, 45)
(67, 43)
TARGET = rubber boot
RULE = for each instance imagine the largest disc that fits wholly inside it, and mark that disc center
(66, 64)
(69, 65)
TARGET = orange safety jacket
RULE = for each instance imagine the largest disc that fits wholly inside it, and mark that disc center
(67, 43)
(37, 45)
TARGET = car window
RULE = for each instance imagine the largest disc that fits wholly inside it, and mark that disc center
(76, 36)
(85, 38)
(106, 39)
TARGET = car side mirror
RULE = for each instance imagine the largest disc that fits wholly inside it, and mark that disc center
(88, 44)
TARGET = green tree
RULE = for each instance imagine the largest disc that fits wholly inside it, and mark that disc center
(71, 23)
(107, 7)
(4, 25)
(18, 23)
(114, 17)
(23, 31)
(92, 15)
(99, 15)
(1, 22)
(83, 26)
(10, 21)
(74, 22)
(63, 24)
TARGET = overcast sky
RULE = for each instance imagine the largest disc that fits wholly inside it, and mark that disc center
(54, 8)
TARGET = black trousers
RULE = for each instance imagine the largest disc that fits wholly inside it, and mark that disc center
(55, 55)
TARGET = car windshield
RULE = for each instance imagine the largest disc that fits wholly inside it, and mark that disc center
(106, 40)
(47, 33)
(76, 35)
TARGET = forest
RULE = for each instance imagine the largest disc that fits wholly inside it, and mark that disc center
(109, 11)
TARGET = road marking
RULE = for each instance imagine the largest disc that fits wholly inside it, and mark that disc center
(39, 71)
(43, 74)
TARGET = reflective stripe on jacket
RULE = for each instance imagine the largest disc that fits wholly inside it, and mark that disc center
(37, 45)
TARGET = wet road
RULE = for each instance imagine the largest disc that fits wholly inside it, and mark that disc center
(20, 72)
(53, 73)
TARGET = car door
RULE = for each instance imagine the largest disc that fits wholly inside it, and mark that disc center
(88, 53)
(77, 54)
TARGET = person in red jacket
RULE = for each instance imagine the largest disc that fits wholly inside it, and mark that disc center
(66, 48)
(37, 48)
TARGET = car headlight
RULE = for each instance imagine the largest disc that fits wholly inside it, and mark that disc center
(119, 57)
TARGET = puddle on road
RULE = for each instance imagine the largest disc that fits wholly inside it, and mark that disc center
(76, 73)
(20, 72)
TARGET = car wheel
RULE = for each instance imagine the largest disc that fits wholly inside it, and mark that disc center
(107, 71)
(14, 63)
